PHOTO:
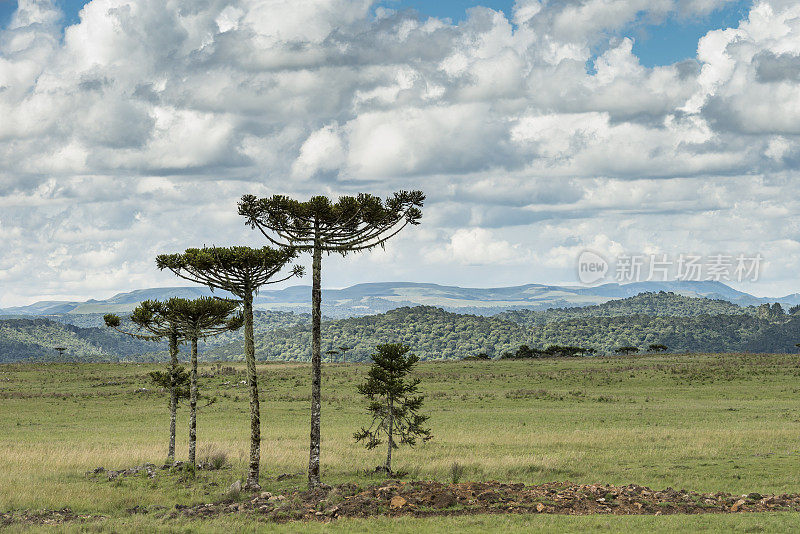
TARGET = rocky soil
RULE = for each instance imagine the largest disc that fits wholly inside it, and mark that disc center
(424, 498)
(394, 498)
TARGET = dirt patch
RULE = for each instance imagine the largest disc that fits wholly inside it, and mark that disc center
(421, 499)
(45, 517)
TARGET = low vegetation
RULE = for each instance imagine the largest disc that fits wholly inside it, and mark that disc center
(706, 423)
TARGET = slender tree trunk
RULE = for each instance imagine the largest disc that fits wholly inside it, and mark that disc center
(389, 431)
(316, 367)
(173, 393)
(255, 412)
(193, 406)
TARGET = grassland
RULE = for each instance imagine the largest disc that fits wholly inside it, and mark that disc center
(701, 422)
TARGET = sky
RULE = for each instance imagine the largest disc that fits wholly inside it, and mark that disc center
(537, 129)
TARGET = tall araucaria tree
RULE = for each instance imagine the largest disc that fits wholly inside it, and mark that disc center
(199, 319)
(320, 225)
(155, 322)
(240, 271)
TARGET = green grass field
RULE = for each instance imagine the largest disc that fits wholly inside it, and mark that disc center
(700, 422)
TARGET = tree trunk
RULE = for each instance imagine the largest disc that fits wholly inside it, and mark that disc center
(193, 407)
(173, 393)
(389, 431)
(316, 367)
(255, 412)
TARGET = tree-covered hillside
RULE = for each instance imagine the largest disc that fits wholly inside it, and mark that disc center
(705, 333)
(431, 332)
(681, 323)
(661, 304)
(36, 339)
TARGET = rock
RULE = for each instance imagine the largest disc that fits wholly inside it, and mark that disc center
(284, 476)
(754, 496)
(236, 487)
(397, 502)
(265, 495)
(738, 504)
(540, 507)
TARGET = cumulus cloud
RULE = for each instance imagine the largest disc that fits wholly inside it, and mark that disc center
(135, 131)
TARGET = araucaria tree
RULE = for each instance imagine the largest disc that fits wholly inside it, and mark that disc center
(319, 225)
(199, 319)
(155, 322)
(240, 271)
(394, 403)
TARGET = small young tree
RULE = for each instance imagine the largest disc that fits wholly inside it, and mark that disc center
(174, 380)
(394, 403)
(240, 271)
(155, 318)
(199, 319)
(319, 225)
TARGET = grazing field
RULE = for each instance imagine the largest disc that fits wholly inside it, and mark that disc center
(701, 422)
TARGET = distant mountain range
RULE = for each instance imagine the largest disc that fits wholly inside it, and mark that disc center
(368, 299)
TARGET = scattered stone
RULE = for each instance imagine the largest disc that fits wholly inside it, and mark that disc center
(420, 498)
(397, 502)
(236, 487)
(285, 476)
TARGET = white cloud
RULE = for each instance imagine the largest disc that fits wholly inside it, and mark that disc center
(478, 246)
(137, 130)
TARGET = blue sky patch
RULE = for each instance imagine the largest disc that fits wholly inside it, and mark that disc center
(672, 40)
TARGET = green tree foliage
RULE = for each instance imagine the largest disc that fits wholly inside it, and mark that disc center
(241, 271)
(320, 225)
(435, 334)
(626, 350)
(393, 401)
(164, 379)
(525, 352)
(34, 339)
(704, 333)
(656, 347)
(661, 304)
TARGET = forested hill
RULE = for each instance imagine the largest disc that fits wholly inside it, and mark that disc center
(704, 333)
(86, 339)
(36, 339)
(681, 323)
(660, 304)
(432, 333)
